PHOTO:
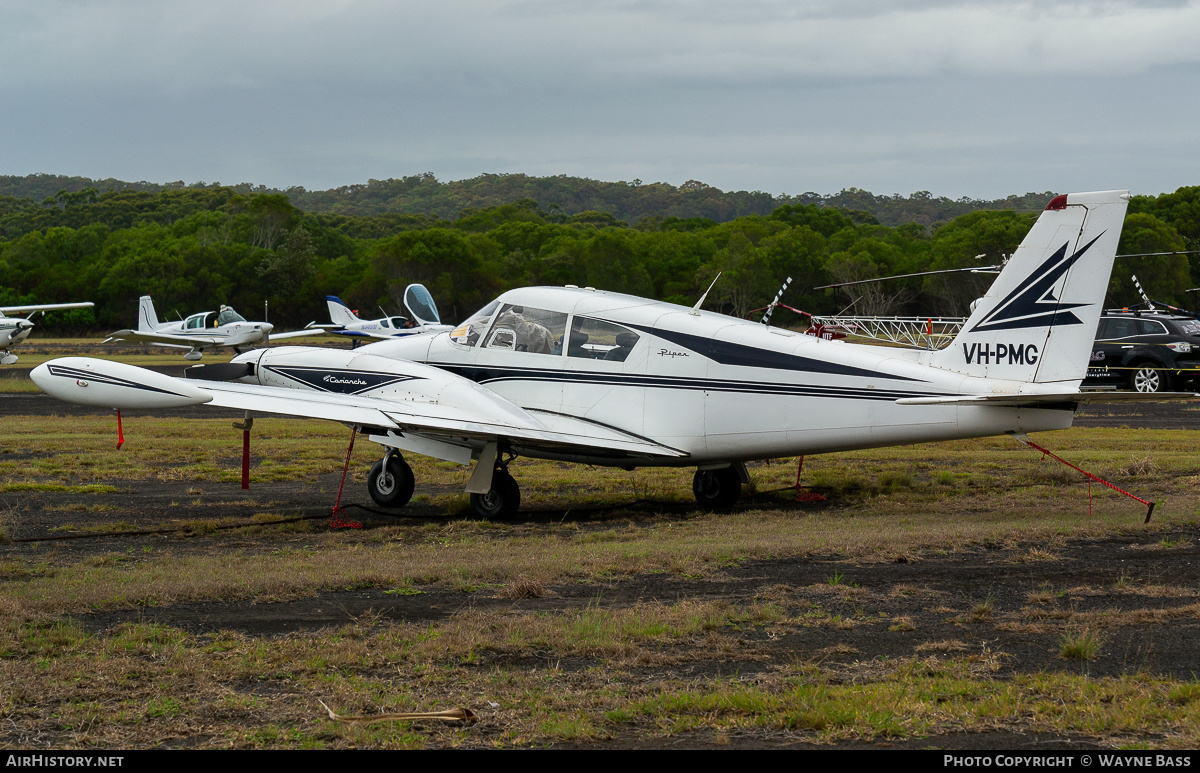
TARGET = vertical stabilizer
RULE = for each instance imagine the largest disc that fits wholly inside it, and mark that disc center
(339, 313)
(147, 318)
(1038, 320)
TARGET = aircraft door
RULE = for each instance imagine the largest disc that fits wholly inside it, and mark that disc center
(606, 364)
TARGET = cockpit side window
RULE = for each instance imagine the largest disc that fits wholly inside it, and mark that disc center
(194, 321)
(525, 329)
(599, 340)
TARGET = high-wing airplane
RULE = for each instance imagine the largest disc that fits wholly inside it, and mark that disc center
(601, 378)
(422, 318)
(14, 330)
(201, 331)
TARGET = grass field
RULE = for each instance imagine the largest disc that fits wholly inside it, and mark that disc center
(943, 594)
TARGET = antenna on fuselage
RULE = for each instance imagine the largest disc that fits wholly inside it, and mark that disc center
(766, 318)
(700, 302)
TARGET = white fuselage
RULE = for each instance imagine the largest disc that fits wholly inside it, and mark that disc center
(13, 330)
(241, 333)
(387, 327)
(719, 388)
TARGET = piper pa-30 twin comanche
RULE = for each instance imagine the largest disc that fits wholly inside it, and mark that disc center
(422, 318)
(204, 330)
(600, 378)
(14, 330)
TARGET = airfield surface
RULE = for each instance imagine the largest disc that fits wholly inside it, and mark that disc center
(657, 626)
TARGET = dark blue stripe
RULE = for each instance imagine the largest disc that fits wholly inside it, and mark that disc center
(489, 375)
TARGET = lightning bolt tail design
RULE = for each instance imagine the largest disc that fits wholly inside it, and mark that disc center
(1037, 322)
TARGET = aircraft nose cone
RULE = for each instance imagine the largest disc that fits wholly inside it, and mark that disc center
(267, 327)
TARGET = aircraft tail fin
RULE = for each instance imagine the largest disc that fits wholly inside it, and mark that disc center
(1037, 322)
(339, 313)
(147, 318)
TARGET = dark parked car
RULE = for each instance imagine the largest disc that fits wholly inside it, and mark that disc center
(1145, 351)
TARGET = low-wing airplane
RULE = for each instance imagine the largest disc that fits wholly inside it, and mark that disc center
(601, 378)
(204, 330)
(14, 330)
(422, 318)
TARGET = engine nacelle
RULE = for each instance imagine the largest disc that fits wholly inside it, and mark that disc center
(348, 372)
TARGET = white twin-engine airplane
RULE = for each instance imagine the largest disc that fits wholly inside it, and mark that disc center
(422, 318)
(14, 330)
(601, 378)
(204, 330)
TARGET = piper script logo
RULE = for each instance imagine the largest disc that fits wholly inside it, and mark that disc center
(1033, 303)
(1000, 354)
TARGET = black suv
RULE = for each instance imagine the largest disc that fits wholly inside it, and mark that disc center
(1145, 351)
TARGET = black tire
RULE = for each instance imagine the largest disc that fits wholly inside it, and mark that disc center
(391, 486)
(717, 489)
(1147, 378)
(502, 502)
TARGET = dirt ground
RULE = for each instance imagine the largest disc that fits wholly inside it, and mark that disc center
(976, 602)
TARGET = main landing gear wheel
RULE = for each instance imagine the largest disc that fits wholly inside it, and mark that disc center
(501, 502)
(391, 481)
(717, 489)
(1147, 379)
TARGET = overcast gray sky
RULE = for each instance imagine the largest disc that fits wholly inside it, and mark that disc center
(959, 98)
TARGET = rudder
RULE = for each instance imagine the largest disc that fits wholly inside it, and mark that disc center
(339, 313)
(147, 318)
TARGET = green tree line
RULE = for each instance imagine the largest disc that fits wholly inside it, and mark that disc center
(194, 248)
(559, 196)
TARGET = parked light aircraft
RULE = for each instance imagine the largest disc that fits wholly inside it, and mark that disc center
(601, 378)
(422, 318)
(14, 330)
(201, 331)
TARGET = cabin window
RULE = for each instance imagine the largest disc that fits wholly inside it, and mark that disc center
(520, 328)
(596, 339)
(194, 322)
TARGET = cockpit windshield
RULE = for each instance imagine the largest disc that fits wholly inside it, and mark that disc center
(468, 332)
(228, 315)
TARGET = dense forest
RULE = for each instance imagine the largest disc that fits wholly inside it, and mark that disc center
(193, 247)
(562, 195)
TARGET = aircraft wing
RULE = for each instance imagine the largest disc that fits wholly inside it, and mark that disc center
(429, 419)
(1015, 400)
(298, 333)
(465, 413)
(167, 339)
(44, 307)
